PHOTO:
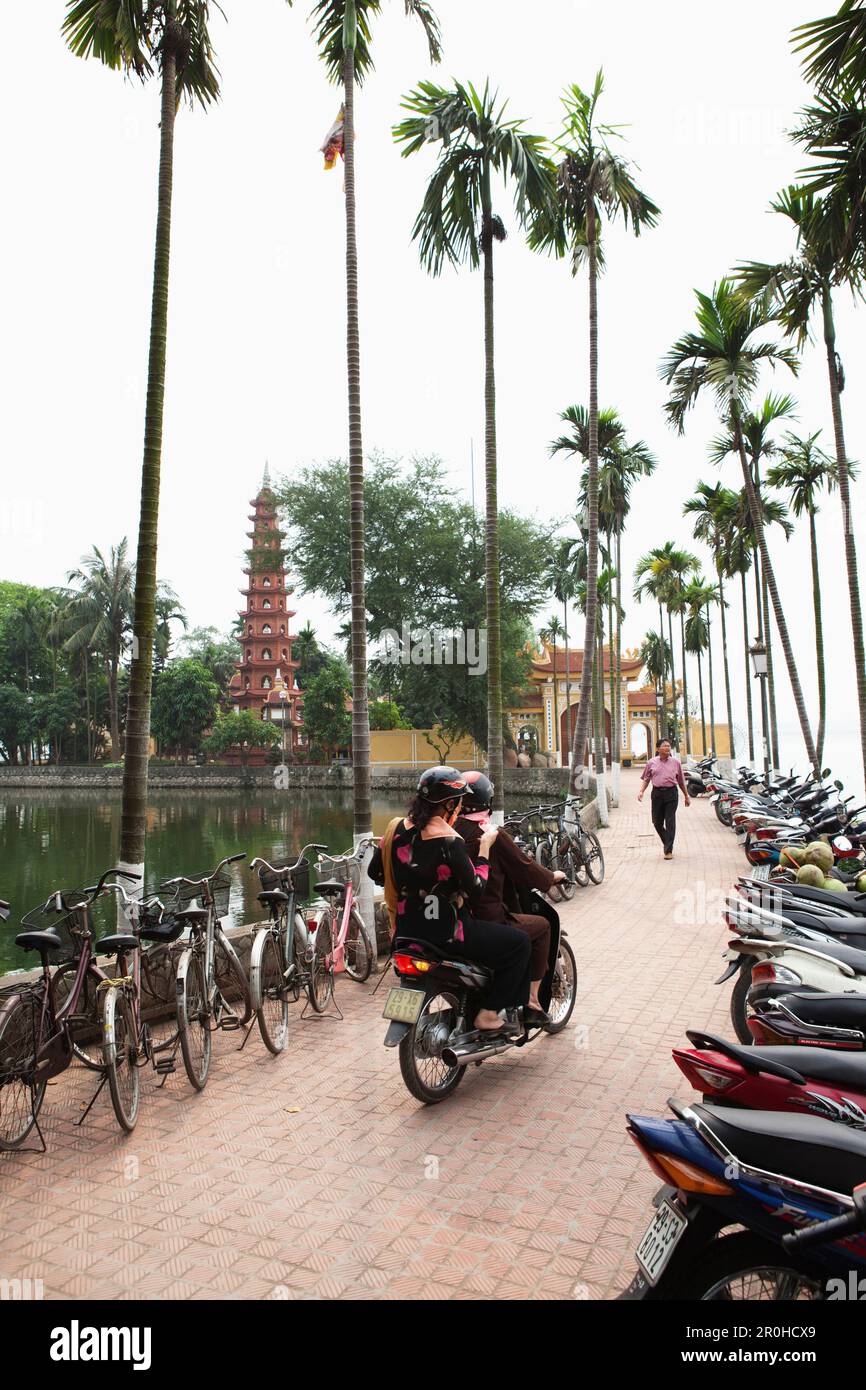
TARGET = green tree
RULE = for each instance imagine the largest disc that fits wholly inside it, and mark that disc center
(217, 654)
(724, 357)
(99, 617)
(343, 33)
(551, 633)
(170, 37)
(803, 472)
(834, 47)
(715, 513)
(16, 724)
(185, 704)
(593, 182)
(240, 730)
(457, 225)
(327, 720)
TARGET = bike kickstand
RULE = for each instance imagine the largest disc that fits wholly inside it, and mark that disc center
(93, 1099)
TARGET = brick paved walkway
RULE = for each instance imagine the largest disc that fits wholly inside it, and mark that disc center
(313, 1175)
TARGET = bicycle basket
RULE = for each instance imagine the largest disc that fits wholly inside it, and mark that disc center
(64, 923)
(344, 869)
(297, 881)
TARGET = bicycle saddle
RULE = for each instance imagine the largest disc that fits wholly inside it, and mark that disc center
(272, 895)
(191, 914)
(330, 886)
(110, 945)
(40, 941)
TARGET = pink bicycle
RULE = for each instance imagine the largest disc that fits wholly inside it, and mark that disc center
(340, 939)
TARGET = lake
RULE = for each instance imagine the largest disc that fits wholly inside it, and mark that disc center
(66, 839)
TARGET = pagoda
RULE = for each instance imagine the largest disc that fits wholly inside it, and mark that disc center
(265, 680)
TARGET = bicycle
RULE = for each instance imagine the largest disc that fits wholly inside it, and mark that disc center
(343, 948)
(36, 1040)
(587, 853)
(282, 956)
(203, 1003)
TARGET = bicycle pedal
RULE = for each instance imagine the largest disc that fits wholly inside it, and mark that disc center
(231, 1024)
(164, 1066)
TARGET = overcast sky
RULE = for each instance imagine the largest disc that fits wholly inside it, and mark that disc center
(256, 333)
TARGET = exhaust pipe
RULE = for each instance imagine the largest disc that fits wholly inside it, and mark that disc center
(464, 1053)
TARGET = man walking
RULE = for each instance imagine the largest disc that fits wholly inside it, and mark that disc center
(665, 771)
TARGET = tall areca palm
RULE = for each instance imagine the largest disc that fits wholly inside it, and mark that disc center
(724, 356)
(171, 38)
(98, 618)
(801, 288)
(655, 656)
(661, 574)
(563, 582)
(593, 182)
(803, 472)
(457, 224)
(714, 510)
(697, 599)
(551, 634)
(343, 34)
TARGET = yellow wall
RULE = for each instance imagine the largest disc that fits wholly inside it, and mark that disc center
(411, 748)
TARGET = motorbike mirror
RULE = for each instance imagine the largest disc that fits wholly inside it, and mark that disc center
(838, 785)
(825, 771)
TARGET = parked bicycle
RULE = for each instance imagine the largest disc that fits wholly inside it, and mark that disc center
(282, 959)
(341, 942)
(37, 1020)
(212, 987)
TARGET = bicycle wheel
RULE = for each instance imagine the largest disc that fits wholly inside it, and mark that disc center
(593, 857)
(85, 1025)
(544, 857)
(120, 1051)
(565, 861)
(21, 1095)
(564, 989)
(193, 1019)
(269, 991)
(231, 978)
(321, 984)
(358, 957)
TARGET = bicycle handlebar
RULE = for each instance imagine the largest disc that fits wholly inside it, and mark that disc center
(286, 868)
(206, 878)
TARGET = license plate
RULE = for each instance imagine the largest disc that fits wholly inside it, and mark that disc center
(762, 872)
(403, 1005)
(660, 1241)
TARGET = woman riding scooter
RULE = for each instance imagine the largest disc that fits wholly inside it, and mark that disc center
(510, 869)
(437, 885)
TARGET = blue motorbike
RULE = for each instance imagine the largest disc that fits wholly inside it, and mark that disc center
(792, 1186)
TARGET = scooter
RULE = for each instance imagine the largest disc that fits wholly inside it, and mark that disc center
(791, 1185)
(820, 1021)
(438, 995)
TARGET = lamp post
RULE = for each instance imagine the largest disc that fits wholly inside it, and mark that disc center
(660, 704)
(758, 653)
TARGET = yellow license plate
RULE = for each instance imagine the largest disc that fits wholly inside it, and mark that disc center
(403, 1005)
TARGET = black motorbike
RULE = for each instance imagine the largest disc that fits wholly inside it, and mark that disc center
(431, 1010)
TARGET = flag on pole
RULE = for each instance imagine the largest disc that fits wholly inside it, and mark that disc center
(333, 147)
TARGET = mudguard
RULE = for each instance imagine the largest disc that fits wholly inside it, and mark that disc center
(396, 1032)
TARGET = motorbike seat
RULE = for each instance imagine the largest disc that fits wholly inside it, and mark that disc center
(811, 1150)
(835, 950)
(832, 1010)
(819, 1064)
(832, 926)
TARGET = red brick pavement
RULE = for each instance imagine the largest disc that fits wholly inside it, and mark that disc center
(313, 1175)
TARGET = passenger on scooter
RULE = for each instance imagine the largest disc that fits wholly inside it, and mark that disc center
(510, 869)
(437, 886)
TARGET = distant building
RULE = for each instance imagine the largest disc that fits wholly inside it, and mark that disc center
(265, 680)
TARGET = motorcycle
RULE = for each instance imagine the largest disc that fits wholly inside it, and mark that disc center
(430, 1011)
(791, 1185)
(836, 1021)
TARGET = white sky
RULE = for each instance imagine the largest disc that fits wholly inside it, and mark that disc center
(256, 341)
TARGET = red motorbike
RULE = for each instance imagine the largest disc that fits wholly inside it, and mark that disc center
(817, 1080)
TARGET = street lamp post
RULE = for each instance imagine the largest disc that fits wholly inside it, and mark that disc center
(660, 704)
(758, 653)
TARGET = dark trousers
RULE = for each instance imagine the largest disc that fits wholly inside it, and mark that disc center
(538, 931)
(503, 949)
(664, 809)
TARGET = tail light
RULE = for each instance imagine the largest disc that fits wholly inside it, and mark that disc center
(685, 1176)
(766, 972)
(766, 832)
(702, 1075)
(411, 965)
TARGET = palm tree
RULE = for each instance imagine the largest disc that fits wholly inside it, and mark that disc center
(342, 32)
(592, 183)
(724, 356)
(563, 581)
(169, 609)
(678, 565)
(799, 288)
(803, 472)
(655, 655)
(550, 634)
(171, 37)
(835, 47)
(697, 639)
(660, 574)
(457, 225)
(714, 510)
(697, 598)
(99, 618)
(621, 463)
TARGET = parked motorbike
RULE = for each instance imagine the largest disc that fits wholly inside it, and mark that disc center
(431, 1010)
(791, 1187)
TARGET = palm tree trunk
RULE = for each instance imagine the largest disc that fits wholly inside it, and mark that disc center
(674, 702)
(686, 715)
(491, 529)
(113, 710)
(771, 674)
(619, 643)
(581, 731)
(363, 811)
(701, 697)
(566, 748)
(726, 668)
(749, 713)
(819, 637)
(781, 624)
(134, 801)
(710, 682)
(665, 730)
(847, 519)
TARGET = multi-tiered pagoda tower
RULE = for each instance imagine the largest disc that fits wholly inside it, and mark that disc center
(265, 680)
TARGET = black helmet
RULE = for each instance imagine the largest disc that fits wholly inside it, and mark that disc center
(439, 784)
(479, 794)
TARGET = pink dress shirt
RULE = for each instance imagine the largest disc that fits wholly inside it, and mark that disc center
(664, 772)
